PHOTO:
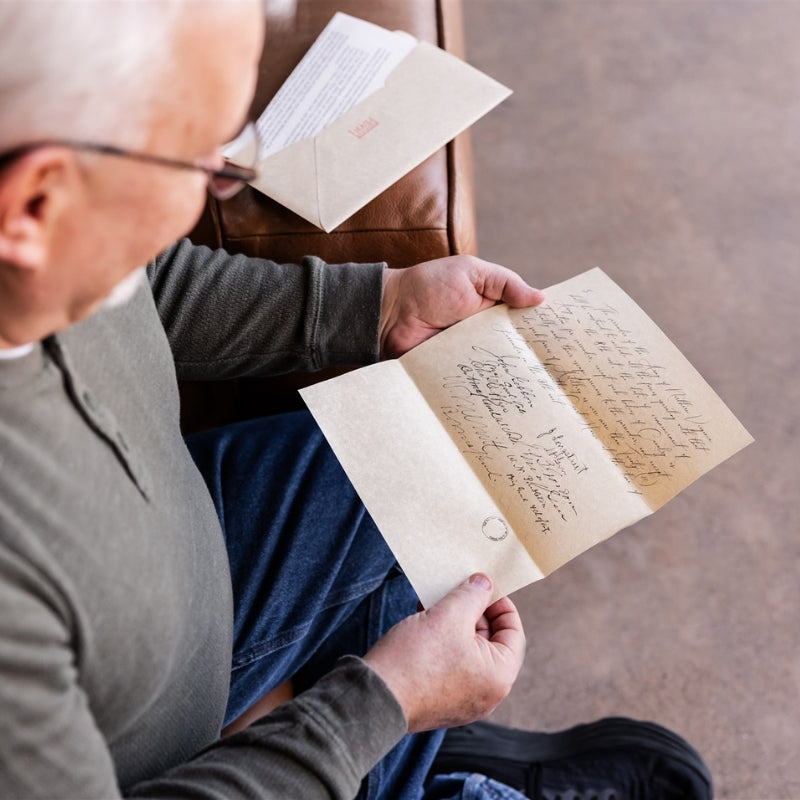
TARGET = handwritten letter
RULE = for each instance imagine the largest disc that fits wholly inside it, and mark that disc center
(563, 424)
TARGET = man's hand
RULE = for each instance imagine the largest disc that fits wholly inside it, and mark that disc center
(455, 662)
(420, 301)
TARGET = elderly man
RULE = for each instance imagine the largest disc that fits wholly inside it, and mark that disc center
(155, 597)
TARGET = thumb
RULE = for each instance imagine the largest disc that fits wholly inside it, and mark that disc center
(518, 294)
(502, 283)
(470, 599)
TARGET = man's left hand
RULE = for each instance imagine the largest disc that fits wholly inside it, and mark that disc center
(420, 301)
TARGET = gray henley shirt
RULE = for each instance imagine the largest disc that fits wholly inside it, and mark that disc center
(115, 596)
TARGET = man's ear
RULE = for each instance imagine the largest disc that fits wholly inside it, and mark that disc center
(34, 191)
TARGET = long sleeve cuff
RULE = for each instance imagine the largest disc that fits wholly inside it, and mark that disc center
(321, 744)
(345, 312)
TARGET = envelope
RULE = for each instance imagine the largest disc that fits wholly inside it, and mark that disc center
(429, 98)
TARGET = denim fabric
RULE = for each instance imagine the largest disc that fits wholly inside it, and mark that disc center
(466, 786)
(312, 577)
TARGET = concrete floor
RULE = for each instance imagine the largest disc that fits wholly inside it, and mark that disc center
(661, 141)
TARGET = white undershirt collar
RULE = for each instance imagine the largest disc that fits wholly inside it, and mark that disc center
(8, 354)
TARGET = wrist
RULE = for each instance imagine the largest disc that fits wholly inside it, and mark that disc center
(388, 677)
(388, 305)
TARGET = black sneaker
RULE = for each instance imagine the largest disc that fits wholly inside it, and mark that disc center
(611, 759)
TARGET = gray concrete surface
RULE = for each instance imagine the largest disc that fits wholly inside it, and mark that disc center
(660, 140)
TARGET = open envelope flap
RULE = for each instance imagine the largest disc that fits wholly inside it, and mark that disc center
(429, 98)
(290, 177)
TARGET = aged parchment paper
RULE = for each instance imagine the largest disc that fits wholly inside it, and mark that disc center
(519, 438)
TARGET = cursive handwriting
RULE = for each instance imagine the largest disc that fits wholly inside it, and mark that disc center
(489, 413)
(647, 424)
(575, 354)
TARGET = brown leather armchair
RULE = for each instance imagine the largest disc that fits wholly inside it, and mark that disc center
(427, 214)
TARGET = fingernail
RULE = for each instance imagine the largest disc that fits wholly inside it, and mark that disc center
(481, 580)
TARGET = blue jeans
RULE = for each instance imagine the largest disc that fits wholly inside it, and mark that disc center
(312, 577)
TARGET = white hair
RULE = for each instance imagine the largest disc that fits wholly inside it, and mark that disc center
(82, 69)
(93, 70)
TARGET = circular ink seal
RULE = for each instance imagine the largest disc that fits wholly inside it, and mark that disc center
(495, 529)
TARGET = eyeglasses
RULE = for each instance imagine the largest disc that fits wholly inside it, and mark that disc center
(223, 183)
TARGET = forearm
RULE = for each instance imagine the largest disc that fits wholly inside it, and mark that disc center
(229, 316)
(321, 744)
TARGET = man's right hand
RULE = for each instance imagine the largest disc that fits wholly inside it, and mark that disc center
(455, 662)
